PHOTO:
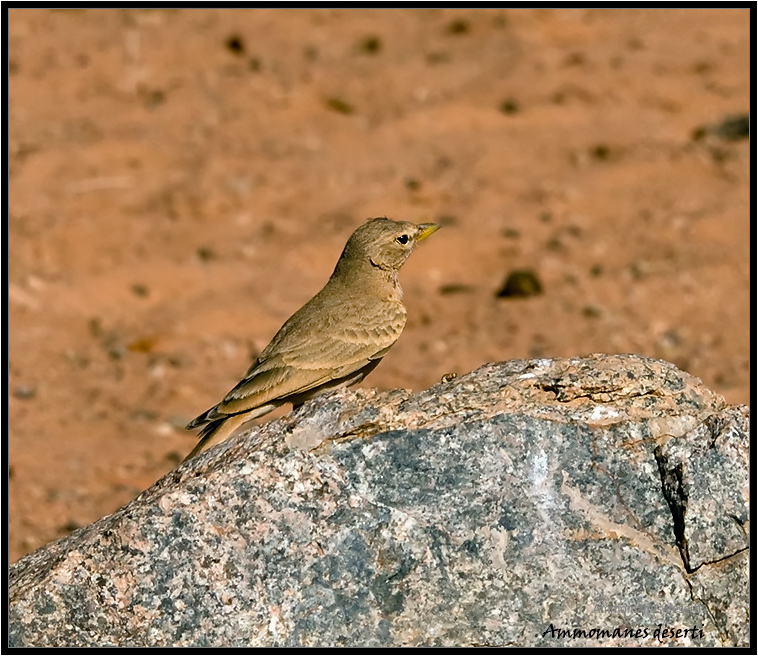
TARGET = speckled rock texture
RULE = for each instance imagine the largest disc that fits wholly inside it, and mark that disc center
(575, 502)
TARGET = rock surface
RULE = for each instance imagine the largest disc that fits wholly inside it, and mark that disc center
(574, 502)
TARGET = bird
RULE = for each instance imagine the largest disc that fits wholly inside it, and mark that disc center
(335, 340)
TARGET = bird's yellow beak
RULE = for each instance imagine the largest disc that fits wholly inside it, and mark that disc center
(426, 229)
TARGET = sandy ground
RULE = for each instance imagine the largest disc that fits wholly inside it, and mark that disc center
(181, 181)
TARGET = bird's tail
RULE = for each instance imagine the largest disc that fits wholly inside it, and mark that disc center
(217, 431)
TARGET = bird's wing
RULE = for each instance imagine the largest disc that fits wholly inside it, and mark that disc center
(298, 361)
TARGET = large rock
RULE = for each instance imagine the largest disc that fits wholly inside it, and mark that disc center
(579, 502)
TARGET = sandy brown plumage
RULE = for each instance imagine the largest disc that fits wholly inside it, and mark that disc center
(334, 340)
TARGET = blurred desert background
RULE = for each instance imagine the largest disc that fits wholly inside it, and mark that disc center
(182, 180)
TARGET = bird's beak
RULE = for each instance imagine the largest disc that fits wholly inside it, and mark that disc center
(426, 229)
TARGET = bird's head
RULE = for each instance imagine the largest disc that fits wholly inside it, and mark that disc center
(384, 244)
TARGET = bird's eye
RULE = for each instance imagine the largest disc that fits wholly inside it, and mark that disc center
(403, 239)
